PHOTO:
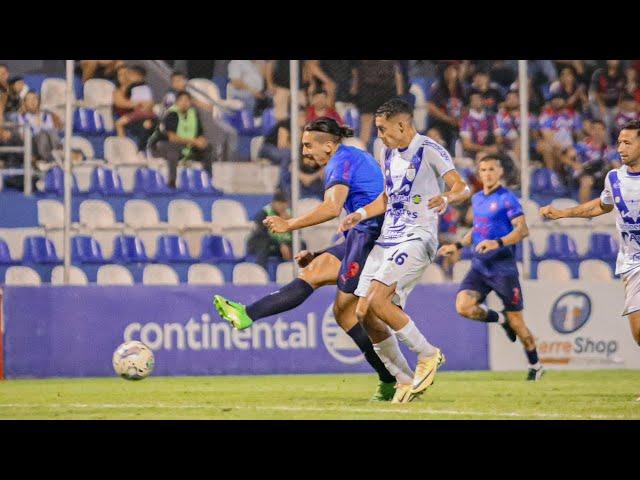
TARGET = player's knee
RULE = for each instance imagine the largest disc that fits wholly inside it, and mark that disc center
(310, 277)
(464, 307)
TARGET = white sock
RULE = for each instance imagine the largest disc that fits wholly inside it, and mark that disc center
(412, 338)
(389, 352)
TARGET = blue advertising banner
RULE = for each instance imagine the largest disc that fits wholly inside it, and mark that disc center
(73, 331)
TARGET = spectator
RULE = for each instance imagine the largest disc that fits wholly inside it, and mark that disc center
(632, 85)
(336, 78)
(247, 82)
(264, 244)
(375, 82)
(180, 135)
(567, 86)
(448, 224)
(588, 163)
(138, 119)
(627, 112)
(560, 128)
(445, 104)
(44, 128)
(508, 121)
(490, 91)
(607, 85)
(479, 130)
(320, 107)
(4, 90)
(106, 69)
(178, 84)
(434, 134)
(503, 73)
(278, 84)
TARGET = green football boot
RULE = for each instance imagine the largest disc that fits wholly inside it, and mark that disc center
(232, 312)
(384, 392)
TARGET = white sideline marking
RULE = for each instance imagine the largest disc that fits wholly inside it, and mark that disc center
(108, 406)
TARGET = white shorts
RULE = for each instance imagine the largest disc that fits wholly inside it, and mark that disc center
(402, 264)
(631, 282)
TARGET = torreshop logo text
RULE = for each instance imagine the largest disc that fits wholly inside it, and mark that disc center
(203, 334)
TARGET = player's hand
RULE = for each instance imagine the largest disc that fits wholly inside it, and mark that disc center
(276, 224)
(447, 250)
(304, 258)
(487, 245)
(349, 222)
(438, 203)
(550, 212)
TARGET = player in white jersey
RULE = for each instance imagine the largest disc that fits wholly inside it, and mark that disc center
(416, 169)
(622, 192)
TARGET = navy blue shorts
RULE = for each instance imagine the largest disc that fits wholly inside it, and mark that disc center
(352, 253)
(506, 287)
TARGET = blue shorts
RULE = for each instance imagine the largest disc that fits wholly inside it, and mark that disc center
(352, 253)
(506, 287)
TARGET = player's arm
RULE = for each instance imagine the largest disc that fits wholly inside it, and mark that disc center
(520, 231)
(590, 209)
(458, 192)
(329, 209)
(375, 208)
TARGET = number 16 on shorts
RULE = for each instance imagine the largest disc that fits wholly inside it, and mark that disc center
(398, 256)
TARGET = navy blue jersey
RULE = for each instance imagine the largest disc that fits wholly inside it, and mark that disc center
(492, 215)
(360, 172)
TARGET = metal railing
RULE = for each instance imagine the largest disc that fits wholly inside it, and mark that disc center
(27, 150)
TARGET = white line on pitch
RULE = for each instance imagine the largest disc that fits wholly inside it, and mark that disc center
(429, 411)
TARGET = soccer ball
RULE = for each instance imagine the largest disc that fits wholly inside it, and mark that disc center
(133, 360)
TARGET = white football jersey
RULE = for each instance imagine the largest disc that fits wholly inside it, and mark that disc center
(622, 189)
(412, 177)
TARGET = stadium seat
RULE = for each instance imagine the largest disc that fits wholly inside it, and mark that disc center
(96, 214)
(54, 182)
(184, 214)
(150, 182)
(141, 214)
(159, 275)
(602, 246)
(83, 145)
(352, 119)
(460, 270)
(38, 249)
(76, 276)
(285, 273)
(98, 94)
(560, 246)
(129, 249)
(86, 249)
(546, 182)
(217, 248)
(105, 181)
(172, 248)
(127, 175)
(433, 274)
(50, 214)
(114, 275)
(531, 212)
(195, 182)
(256, 145)
(5, 255)
(250, 274)
(231, 213)
(204, 274)
(553, 271)
(595, 270)
(119, 150)
(15, 238)
(268, 121)
(22, 277)
(53, 94)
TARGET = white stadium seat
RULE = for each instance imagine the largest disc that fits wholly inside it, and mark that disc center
(82, 144)
(204, 274)
(76, 277)
(15, 238)
(531, 212)
(595, 270)
(553, 271)
(460, 270)
(119, 150)
(141, 214)
(156, 274)
(114, 275)
(249, 274)
(186, 216)
(98, 94)
(230, 213)
(50, 214)
(285, 273)
(98, 220)
(22, 276)
(433, 274)
(53, 93)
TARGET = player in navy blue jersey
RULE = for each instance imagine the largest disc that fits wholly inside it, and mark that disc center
(353, 179)
(498, 224)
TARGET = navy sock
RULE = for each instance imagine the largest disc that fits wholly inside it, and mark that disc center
(359, 335)
(532, 356)
(492, 316)
(285, 299)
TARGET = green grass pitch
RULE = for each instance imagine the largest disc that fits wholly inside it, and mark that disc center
(455, 395)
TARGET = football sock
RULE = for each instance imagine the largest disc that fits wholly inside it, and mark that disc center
(532, 356)
(492, 315)
(389, 352)
(287, 298)
(360, 336)
(417, 343)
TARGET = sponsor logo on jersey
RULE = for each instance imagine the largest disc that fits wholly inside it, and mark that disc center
(416, 199)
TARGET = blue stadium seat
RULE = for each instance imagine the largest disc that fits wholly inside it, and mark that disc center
(54, 182)
(268, 121)
(560, 246)
(196, 182)
(86, 249)
(602, 246)
(242, 122)
(150, 182)
(172, 248)
(129, 249)
(5, 256)
(217, 249)
(519, 251)
(352, 119)
(546, 182)
(38, 249)
(106, 182)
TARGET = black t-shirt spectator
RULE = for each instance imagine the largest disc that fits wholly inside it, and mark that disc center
(281, 75)
(200, 68)
(609, 87)
(340, 72)
(171, 123)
